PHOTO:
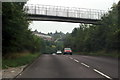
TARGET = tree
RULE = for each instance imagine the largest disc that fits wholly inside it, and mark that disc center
(15, 26)
(89, 38)
(17, 37)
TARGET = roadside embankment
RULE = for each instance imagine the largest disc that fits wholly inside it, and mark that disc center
(100, 53)
(15, 64)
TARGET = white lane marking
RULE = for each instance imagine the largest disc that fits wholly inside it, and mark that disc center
(76, 60)
(102, 74)
(85, 64)
(70, 57)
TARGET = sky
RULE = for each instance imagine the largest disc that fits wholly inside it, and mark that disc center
(49, 26)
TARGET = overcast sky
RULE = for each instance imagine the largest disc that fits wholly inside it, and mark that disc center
(49, 26)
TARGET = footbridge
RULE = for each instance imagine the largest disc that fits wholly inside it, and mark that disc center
(37, 12)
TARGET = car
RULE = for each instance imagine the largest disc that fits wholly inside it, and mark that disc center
(67, 51)
(53, 53)
(59, 52)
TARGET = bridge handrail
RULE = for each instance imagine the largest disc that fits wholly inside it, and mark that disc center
(64, 11)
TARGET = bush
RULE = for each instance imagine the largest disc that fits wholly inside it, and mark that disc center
(18, 60)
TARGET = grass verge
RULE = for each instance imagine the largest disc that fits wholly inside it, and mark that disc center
(100, 53)
(23, 59)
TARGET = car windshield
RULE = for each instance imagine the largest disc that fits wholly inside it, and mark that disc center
(58, 51)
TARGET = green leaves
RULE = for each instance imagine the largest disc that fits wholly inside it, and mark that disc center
(16, 36)
(89, 38)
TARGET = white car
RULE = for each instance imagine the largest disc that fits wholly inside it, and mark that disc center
(53, 53)
(59, 52)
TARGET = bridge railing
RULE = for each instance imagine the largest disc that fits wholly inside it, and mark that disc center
(64, 11)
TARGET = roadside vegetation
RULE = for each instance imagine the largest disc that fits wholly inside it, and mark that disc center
(16, 36)
(19, 45)
(102, 40)
(19, 59)
(99, 53)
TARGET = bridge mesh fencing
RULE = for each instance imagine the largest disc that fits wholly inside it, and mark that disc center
(64, 11)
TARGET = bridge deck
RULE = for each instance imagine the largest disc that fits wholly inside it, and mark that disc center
(61, 19)
(64, 14)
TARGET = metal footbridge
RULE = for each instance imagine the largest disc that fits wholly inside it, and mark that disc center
(37, 12)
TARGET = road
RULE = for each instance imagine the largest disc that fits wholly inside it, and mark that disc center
(71, 66)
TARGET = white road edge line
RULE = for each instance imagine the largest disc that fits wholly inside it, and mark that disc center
(76, 60)
(85, 65)
(102, 74)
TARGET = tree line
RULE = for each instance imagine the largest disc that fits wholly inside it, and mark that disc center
(93, 38)
(16, 36)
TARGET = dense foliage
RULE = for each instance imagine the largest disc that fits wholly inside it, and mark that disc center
(92, 38)
(16, 36)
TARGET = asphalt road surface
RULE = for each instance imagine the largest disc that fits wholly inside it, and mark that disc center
(71, 66)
